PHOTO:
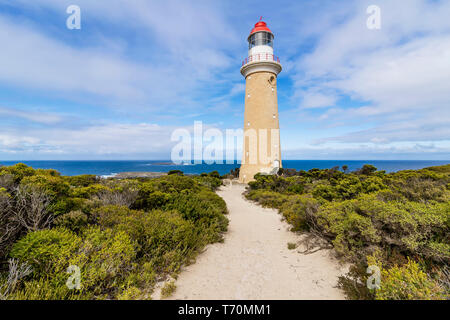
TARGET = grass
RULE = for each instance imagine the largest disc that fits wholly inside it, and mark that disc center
(168, 290)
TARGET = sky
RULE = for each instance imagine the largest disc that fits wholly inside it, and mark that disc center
(138, 70)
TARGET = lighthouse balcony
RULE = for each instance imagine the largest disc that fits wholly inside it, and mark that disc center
(261, 57)
(261, 62)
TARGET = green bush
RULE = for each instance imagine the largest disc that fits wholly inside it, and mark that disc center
(297, 211)
(45, 289)
(74, 221)
(88, 192)
(205, 209)
(18, 172)
(105, 258)
(211, 183)
(408, 282)
(324, 191)
(53, 185)
(121, 252)
(266, 198)
(47, 251)
(162, 237)
(214, 174)
(175, 172)
(357, 226)
(400, 216)
(82, 180)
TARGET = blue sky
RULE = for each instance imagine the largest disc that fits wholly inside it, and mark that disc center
(137, 70)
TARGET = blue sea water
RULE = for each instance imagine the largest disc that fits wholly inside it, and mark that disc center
(109, 168)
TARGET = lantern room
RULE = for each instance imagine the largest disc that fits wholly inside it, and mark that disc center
(260, 44)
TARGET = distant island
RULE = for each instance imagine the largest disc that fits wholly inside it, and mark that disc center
(133, 175)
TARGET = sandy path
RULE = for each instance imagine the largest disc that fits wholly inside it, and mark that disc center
(254, 261)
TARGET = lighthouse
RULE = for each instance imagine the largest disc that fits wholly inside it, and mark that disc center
(261, 146)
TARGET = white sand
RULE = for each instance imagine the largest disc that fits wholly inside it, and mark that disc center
(254, 261)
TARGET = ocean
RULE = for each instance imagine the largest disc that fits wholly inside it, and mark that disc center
(110, 168)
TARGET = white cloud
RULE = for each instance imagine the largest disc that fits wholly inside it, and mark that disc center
(108, 139)
(39, 117)
(401, 73)
(314, 99)
(186, 53)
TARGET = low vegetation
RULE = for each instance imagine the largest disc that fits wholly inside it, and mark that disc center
(88, 238)
(399, 222)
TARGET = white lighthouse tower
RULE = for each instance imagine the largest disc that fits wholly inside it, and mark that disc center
(261, 147)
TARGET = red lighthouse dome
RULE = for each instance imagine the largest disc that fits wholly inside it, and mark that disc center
(260, 26)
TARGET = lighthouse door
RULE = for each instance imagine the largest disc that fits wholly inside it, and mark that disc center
(276, 164)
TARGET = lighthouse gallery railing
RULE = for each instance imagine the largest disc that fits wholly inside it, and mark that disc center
(261, 57)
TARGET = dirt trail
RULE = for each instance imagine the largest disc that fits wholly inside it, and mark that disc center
(254, 261)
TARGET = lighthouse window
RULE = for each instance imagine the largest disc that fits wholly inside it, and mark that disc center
(272, 80)
(260, 39)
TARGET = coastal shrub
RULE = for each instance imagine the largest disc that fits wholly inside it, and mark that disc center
(131, 293)
(121, 193)
(175, 172)
(205, 209)
(105, 258)
(408, 282)
(161, 236)
(82, 180)
(47, 251)
(398, 216)
(421, 185)
(174, 183)
(354, 283)
(267, 198)
(52, 222)
(293, 185)
(367, 169)
(297, 210)
(6, 181)
(324, 191)
(296, 188)
(149, 197)
(445, 169)
(211, 183)
(168, 289)
(87, 192)
(373, 184)
(349, 188)
(355, 227)
(214, 174)
(53, 185)
(30, 207)
(5, 198)
(9, 229)
(45, 289)
(73, 221)
(18, 172)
